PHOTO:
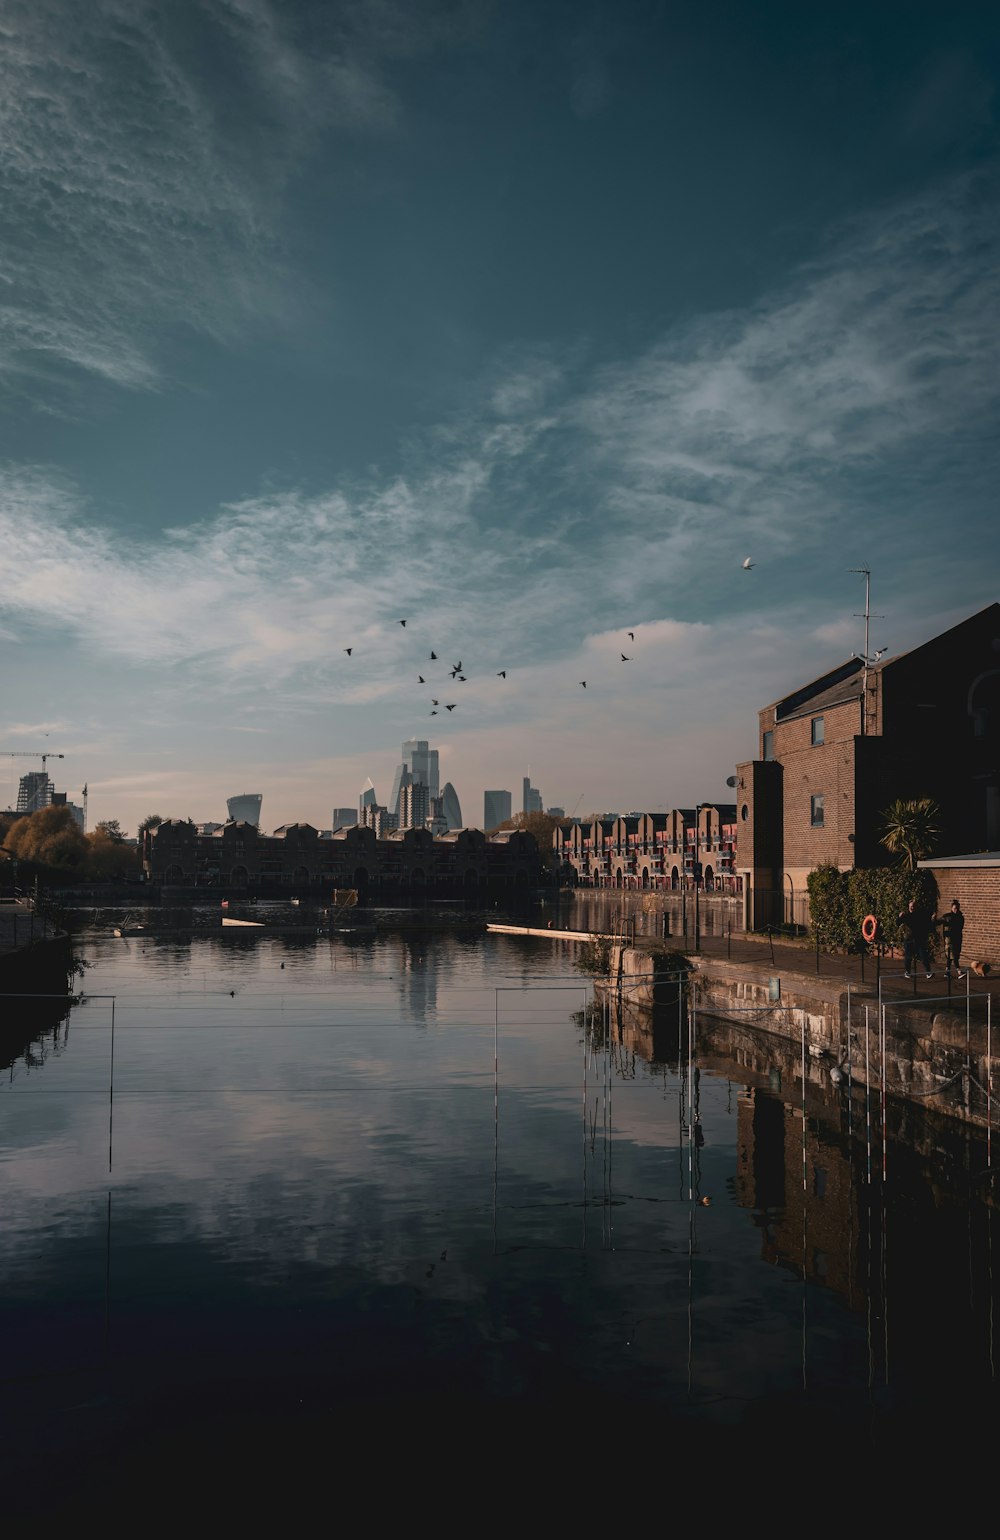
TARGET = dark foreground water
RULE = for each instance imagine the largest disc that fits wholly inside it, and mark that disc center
(285, 1211)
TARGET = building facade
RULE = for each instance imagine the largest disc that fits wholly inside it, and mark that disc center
(496, 808)
(239, 859)
(835, 753)
(686, 848)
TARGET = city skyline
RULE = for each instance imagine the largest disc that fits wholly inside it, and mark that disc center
(591, 352)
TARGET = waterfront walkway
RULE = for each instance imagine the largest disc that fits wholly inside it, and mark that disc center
(790, 957)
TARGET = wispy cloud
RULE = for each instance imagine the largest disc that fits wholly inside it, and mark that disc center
(566, 505)
(144, 155)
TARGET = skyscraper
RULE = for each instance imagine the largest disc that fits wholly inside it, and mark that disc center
(532, 799)
(421, 762)
(367, 798)
(246, 807)
(496, 808)
(344, 818)
(450, 807)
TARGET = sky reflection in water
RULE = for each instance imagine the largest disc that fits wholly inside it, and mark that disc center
(314, 1201)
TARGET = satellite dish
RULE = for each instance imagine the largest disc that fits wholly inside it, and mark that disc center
(730, 780)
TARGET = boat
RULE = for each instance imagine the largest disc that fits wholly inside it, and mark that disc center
(130, 926)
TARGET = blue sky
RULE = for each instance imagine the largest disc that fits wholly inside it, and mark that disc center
(525, 323)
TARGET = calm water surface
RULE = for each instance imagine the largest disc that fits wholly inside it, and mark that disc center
(262, 1192)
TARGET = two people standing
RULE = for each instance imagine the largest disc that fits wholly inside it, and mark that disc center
(916, 925)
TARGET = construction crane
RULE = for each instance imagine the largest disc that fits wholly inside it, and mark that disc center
(27, 754)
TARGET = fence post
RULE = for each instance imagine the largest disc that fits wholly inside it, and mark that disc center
(770, 939)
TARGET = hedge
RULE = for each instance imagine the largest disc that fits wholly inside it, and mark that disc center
(839, 902)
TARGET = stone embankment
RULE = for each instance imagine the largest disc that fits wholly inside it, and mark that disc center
(932, 1049)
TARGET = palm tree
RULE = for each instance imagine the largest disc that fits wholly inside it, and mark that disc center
(911, 828)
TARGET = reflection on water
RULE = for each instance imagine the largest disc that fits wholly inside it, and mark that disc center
(268, 1180)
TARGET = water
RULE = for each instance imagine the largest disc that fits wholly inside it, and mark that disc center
(265, 1192)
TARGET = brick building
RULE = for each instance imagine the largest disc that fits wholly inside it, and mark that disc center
(686, 847)
(301, 859)
(836, 752)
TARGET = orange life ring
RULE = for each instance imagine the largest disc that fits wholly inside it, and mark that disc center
(869, 927)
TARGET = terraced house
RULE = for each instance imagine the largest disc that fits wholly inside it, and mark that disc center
(685, 848)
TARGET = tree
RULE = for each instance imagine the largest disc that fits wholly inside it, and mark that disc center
(51, 837)
(540, 825)
(151, 821)
(911, 829)
(108, 858)
(112, 828)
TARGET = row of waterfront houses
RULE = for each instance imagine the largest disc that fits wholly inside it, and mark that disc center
(685, 848)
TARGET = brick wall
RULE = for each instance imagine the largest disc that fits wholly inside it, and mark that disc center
(826, 769)
(977, 889)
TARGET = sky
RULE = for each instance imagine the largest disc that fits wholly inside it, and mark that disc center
(522, 323)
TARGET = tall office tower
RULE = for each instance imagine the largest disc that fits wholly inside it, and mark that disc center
(344, 818)
(532, 798)
(419, 761)
(246, 807)
(450, 807)
(496, 808)
(367, 798)
(34, 791)
(414, 804)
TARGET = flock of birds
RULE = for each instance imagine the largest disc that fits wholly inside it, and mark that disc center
(460, 678)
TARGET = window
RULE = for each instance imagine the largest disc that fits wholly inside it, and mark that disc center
(816, 811)
(768, 745)
(817, 731)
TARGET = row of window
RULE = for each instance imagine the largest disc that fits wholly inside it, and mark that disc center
(817, 736)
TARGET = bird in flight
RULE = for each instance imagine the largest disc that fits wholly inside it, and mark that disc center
(502, 674)
(625, 660)
(421, 679)
(584, 683)
(747, 564)
(452, 706)
(435, 703)
(460, 678)
(433, 713)
(402, 622)
(631, 636)
(348, 650)
(456, 668)
(433, 657)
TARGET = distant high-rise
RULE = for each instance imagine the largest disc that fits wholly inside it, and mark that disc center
(367, 798)
(496, 808)
(344, 818)
(245, 808)
(420, 761)
(532, 798)
(34, 791)
(414, 804)
(451, 809)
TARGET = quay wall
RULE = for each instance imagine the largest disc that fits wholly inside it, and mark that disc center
(936, 1052)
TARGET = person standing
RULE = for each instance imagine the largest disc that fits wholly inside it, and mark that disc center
(952, 928)
(915, 924)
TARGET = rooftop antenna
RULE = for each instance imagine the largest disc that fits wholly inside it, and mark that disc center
(866, 656)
